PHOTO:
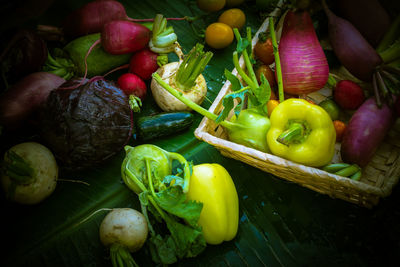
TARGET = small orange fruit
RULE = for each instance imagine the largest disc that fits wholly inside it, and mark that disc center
(234, 17)
(211, 5)
(219, 35)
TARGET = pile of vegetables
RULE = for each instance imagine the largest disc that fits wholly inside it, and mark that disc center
(198, 204)
(84, 118)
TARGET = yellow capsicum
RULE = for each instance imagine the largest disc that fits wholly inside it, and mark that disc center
(302, 132)
(212, 185)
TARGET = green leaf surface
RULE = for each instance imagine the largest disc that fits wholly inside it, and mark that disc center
(174, 201)
(281, 223)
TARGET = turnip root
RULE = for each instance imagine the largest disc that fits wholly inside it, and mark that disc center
(123, 230)
(185, 76)
(165, 100)
(29, 174)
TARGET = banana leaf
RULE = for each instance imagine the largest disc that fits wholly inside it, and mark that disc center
(281, 223)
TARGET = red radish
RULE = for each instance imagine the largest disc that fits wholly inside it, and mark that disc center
(123, 37)
(304, 65)
(132, 84)
(21, 100)
(365, 131)
(91, 17)
(143, 63)
(348, 95)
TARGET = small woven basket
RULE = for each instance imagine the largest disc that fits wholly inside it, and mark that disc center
(378, 177)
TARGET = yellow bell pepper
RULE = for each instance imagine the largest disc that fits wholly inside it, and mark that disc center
(212, 185)
(302, 132)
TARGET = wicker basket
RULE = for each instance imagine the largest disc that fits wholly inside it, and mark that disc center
(378, 178)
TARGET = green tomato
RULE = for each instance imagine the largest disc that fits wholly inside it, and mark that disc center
(331, 108)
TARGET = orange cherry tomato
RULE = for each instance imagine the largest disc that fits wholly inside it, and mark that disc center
(268, 73)
(211, 5)
(340, 127)
(233, 17)
(264, 50)
(219, 35)
(271, 105)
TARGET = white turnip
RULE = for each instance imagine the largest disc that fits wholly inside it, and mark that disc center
(29, 173)
(185, 76)
(123, 230)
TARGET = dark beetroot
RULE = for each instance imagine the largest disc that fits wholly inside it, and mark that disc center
(87, 125)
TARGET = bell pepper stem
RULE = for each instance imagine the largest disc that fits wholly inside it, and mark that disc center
(295, 132)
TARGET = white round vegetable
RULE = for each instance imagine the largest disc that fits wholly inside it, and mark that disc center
(29, 173)
(168, 102)
(124, 226)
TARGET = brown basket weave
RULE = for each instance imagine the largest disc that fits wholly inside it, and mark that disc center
(377, 180)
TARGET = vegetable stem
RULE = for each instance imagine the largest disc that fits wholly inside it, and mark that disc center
(163, 38)
(277, 60)
(191, 67)
(247, 61)
(120, 256)
(376, 91)
(390, 35)
(18, 169)
(241, 71)
(392, 53)
(149, 176)
(186, 170)
(190, 103)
